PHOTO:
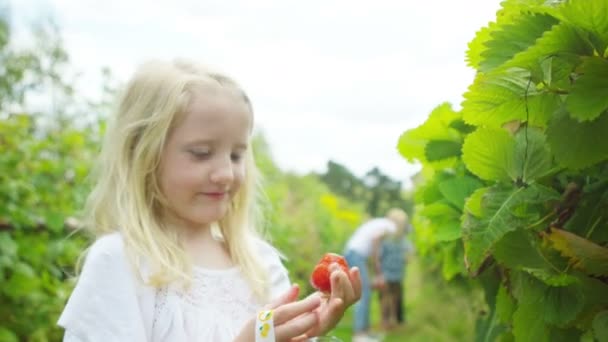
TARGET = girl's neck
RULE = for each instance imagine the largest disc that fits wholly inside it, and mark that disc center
(204, 250)
(200, 246)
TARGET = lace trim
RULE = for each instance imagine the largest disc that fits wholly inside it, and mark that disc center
(160, 303)
(223, 296)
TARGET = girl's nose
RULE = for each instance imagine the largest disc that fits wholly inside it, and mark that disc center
(223, 172)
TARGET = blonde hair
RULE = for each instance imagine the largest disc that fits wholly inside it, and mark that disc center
(399, 217)
(127, 196)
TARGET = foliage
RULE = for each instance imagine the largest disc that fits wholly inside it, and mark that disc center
(44, 159)
(376, 191)
(516, 183)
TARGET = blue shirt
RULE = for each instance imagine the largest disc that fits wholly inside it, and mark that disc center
(392, 258)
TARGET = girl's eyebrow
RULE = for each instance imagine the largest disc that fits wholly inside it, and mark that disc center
(200, 142)
(197, 142)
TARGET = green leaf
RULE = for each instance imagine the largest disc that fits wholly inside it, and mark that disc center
(511, 11)
(587, 337)
(439, 211)
(514, 37)
(551, 276)
(589, 96)
(55, 221)
(557, 70)
(473, 204)
(445, 221)
(412, 143)
(527, 325)
(462, 126)
(600, 326)
(456, 190)
(441, 149)
(8, 247)
(595, 294)
(532, 158)
(428, 193)
(577, 145)
(447, 231)
(518, 250)
(488, 153)
(505, 305)
(591, 16)
(22, 282)
(478, 45)
(583, 254)
(564, 303)
(411, 146)
(493, 154)
(504, 209)
(7, 335)
(506, 95)
(563, 42)
(453, 255)
(590, 217)
(565, 335)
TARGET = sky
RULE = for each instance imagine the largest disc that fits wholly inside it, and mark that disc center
(339, 80)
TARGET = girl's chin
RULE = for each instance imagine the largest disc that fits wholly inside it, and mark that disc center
(211, 216)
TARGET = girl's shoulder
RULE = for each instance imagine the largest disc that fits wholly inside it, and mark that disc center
(272, 261)
(265, 249)
(108, 247)
(112, 244)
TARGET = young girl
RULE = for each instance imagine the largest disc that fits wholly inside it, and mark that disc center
(177, 256)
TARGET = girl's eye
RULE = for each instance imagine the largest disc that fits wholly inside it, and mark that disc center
(236, 157)
(201, 155)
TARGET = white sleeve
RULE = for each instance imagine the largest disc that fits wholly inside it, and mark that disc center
(279, 278)
(390, 227)
(104, 304)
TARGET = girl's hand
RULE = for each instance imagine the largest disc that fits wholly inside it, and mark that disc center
(291, 318)
(345, 291)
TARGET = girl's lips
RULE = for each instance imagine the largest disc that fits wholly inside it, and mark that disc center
(215, 195)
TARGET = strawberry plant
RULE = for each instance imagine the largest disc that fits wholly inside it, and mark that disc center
(515, 188)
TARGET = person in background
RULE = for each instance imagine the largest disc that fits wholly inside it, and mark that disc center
(393, 256)
(363, 247)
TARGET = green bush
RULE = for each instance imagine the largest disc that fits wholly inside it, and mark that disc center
(516, 183)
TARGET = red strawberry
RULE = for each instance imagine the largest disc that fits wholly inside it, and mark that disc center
(320, 278)
(337, 258)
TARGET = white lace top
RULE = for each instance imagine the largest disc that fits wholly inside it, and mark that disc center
(109, 304)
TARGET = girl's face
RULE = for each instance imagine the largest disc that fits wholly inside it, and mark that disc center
(203, 161)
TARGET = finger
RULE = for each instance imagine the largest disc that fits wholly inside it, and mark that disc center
(336, 308)
(287, 312)
(328, 317)
(335, 311)
(287, 297)
(300, 338)
(295, 327)
(342, 286)
(336, 287)
(355, 279)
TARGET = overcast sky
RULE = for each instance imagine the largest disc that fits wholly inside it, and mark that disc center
(328, 79)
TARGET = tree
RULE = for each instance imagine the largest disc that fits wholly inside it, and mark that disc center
(376, 190)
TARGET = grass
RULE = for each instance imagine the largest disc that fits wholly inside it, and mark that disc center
(435, 311)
